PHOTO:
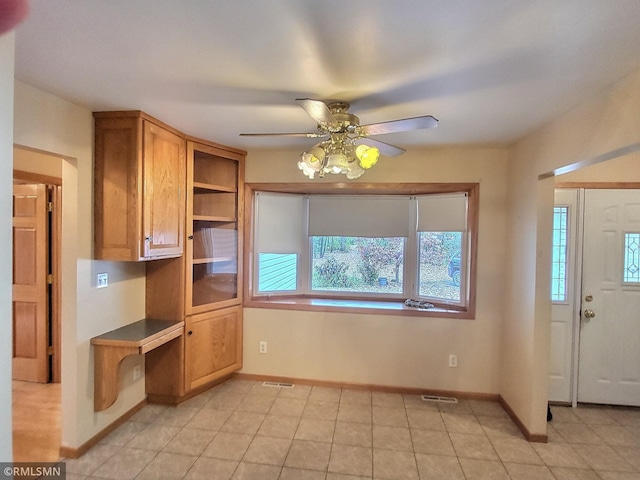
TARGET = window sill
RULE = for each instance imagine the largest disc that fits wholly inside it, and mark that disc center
(370, 307)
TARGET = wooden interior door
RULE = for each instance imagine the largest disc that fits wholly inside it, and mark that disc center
(30, 300)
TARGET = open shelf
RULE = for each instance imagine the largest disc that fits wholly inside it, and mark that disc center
(212, 203)
(199, 187)
(211, 218)
(214, 170)
(197, 261)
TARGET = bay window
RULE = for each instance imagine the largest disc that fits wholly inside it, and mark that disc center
(363, 247)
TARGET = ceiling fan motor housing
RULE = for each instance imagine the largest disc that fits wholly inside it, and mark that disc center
(338, 107)
(345, 122)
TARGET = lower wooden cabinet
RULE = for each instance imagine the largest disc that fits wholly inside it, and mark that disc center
(213, 346)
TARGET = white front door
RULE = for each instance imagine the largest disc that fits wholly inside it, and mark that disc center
(609, 365)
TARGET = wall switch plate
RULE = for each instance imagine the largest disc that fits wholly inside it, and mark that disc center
(102, 280)
(137, 372)
(453, 361)
(263, 347)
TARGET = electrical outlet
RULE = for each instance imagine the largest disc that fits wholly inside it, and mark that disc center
(453, 361)
(102, 280)
(137, 372)
(263, 347)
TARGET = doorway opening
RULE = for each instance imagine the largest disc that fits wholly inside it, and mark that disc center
(36, 306)
(595, 295)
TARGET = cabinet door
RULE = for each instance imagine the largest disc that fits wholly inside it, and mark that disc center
(213, 346)
(214, 228)
(163, 199)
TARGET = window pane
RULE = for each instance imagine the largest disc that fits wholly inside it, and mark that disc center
(277, 272)
(632, 257)
(441, 268)
(559, 255)
(357, 264)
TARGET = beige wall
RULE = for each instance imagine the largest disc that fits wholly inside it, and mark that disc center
(393, 350)
(37, 162)
(596, 129)
(7, 53)
(45, 122)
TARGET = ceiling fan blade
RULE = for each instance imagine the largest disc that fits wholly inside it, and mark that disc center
(385, 148)
(306, 135)
(403, 125)
(318, 110)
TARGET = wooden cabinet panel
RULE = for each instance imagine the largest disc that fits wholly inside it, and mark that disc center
(163, 207)
(213, 346)
(118, 189)
(139, 188)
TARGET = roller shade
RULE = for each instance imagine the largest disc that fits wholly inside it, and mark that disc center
(281, 220)
(442, 212)
(359, 216)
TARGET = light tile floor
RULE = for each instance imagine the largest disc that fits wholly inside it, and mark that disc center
(244, 431)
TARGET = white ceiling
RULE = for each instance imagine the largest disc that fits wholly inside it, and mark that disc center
(490, 70)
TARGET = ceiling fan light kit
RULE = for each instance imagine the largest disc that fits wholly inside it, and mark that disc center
(338, 155)
(348, 149)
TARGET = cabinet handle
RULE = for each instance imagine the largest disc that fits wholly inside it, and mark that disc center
(149, 238)
(190, 332)
(190, 237)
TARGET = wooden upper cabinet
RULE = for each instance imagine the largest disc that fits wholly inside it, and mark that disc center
(139, 188)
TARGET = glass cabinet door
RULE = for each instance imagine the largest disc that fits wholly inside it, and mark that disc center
(215, 261)
(214, 230)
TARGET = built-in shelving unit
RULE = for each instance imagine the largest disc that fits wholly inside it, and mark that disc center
(213, 250)
(175, 202)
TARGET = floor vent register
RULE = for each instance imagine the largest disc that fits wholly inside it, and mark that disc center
(436, 398)
(278, 384)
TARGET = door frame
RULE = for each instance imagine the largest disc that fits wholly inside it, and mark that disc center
(574, 283)
(577, 318)
(55, 185)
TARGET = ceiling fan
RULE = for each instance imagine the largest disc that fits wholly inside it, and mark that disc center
(347, 147)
